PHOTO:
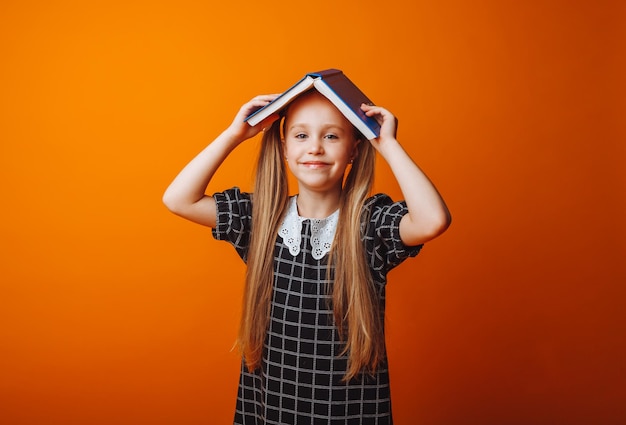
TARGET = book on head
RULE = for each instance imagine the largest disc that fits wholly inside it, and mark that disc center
(334, 85)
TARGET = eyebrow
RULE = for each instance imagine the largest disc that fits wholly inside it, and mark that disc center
(324, 127)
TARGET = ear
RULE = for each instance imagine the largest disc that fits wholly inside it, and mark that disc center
(355, 149)
(281, 134)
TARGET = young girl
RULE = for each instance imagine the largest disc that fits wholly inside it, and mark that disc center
(312, 326)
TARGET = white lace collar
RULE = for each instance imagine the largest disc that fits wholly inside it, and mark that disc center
(322, 231)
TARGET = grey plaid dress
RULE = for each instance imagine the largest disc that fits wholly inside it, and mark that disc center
(299, 381)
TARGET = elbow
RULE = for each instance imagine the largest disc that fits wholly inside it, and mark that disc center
(444, 222)
(437, 225)
(170, 202)
(425, 229)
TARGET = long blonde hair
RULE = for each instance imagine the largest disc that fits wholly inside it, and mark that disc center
(356, 304)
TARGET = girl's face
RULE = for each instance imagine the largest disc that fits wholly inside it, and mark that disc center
(319, 143)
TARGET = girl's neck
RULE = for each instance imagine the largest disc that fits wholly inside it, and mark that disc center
(317, 205)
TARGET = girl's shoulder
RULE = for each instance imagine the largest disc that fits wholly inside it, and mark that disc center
(381, 201)
(233, 196)
(233, 204)
(381, 210)
(378, 199)
(381, 232)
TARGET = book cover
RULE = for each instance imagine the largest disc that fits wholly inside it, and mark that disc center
(338, 88)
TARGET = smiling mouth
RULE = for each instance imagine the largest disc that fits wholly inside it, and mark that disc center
(314, 164)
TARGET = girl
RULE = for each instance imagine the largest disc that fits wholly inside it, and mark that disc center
(312, 326)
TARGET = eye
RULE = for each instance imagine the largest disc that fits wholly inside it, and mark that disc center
(331, 136)
(300, 136)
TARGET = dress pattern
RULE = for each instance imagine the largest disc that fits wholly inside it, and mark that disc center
(299, 381)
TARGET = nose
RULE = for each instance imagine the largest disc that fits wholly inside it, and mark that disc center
(316, 145)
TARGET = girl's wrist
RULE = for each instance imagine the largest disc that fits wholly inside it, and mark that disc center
(232, 137)
(387, 147)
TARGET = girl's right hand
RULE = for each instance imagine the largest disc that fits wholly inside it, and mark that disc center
(241, 130)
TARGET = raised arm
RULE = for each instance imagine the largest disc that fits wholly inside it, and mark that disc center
(428, 216)
(186, 196)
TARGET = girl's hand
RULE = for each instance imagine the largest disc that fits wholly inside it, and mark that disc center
(241, 130)
(388, 125)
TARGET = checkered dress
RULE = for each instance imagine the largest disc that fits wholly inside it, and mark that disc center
(299, 381)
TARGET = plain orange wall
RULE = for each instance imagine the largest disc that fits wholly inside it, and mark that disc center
(114, 311)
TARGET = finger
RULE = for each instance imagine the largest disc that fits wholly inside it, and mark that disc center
(254, 105)
(371, 106)
(379, 114)
(371, 111)
(266, 97)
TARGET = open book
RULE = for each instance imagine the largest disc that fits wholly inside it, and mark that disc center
(333, 84)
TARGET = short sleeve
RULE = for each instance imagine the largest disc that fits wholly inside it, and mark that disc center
(383, 245)
(234, 218)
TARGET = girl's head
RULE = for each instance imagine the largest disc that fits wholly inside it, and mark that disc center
(318, 144)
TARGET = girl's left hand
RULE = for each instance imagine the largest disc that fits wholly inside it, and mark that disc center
(388, 124)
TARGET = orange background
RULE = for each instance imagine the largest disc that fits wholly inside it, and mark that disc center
(114, 311)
